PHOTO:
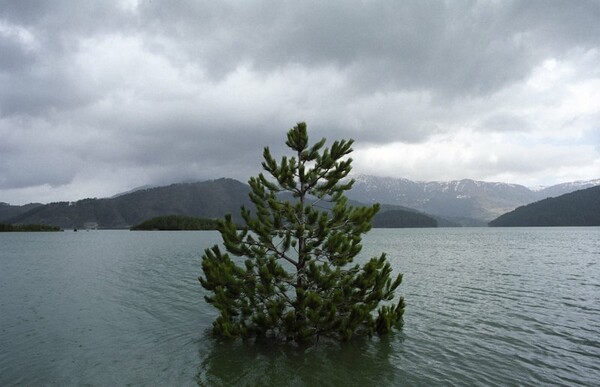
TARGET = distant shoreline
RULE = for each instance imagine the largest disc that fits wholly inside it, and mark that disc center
(4, 227)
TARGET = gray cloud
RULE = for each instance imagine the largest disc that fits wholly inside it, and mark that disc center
(195, 90)
(505, 123)
(452, 48)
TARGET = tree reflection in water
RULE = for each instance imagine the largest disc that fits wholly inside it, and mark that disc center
(361, 361)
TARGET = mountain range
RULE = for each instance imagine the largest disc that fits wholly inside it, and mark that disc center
(405, 203)
(208, 199)
(468, 202)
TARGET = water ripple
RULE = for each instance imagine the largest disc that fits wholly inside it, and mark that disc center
(490, 307)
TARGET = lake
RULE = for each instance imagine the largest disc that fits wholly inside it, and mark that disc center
(485, 306)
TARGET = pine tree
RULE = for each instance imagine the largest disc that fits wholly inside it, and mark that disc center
(288, 271)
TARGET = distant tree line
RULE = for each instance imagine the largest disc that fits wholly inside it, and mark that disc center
(5, 227)
(176, 222)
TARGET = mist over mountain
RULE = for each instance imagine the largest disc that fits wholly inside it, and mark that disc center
(466, 201)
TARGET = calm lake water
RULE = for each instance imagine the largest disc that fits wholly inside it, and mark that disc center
(517, 306)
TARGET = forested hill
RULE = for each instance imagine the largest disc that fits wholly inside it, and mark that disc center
(8, 211)
(208, 199)
(579, 208)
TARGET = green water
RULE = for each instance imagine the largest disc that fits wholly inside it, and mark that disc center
(484, 307)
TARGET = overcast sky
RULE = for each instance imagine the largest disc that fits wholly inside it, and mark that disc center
(98, 97)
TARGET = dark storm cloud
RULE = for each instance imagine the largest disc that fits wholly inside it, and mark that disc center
(195, 89)
(28, 158)
(14, 57)
(35, 94)
(454, 48)
(449, 48)
(63, 20)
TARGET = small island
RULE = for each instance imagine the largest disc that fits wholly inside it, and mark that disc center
(175, 222)
(5, 227)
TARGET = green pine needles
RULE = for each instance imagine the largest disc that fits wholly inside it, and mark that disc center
(288, 272)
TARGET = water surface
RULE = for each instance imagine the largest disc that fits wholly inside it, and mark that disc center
(484, 307)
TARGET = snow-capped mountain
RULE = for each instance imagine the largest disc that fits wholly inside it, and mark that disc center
(455, 199)
(564, 188)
